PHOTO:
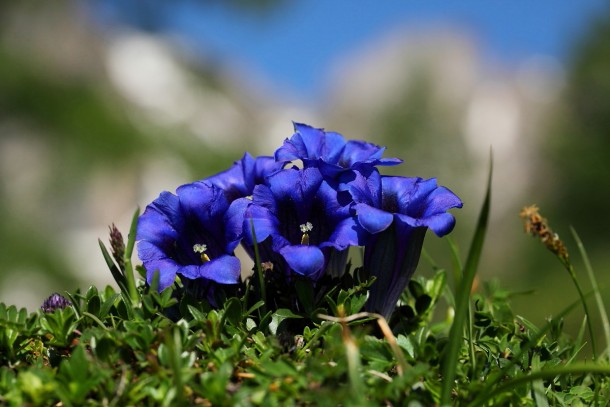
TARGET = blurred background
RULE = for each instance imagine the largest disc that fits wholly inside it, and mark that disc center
(104, 104)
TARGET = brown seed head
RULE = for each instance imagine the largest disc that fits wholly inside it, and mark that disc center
(537, 226)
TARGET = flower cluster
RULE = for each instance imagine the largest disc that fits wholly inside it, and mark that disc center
(302, 209)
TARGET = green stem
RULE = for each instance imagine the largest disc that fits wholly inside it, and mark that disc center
(259, 271)
(584, 305)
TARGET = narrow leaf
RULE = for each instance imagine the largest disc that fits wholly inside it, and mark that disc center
(463, 296)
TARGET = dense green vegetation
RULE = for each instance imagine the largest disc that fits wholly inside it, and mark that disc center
(141, 347)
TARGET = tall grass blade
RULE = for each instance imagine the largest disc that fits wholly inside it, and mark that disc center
(452, 351)
(458, 272)
(598, 297)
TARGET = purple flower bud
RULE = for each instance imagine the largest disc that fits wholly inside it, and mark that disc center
(55, 301)
(117, 245)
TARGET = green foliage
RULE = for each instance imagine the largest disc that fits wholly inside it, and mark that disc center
(263, 347)
(104, 349)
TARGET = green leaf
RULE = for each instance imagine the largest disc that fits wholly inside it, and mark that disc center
(452, 351)
(233, 311)
(279, 316)
(305, 294)
(255, 307)
(107, 305)
(114, 269)
(197, 315)
(130, 281)
(406, 343)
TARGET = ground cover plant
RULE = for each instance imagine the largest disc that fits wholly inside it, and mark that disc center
(332, 313)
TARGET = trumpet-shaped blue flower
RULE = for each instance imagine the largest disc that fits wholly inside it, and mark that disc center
(330, 151)
(185, 234)
(298, 222)
(397, 212)
(239, 180)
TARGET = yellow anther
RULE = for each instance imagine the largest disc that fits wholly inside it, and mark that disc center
(201, 248)
(306, 227)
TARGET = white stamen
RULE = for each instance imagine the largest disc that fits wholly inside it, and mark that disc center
(306, 227)
(200, 248)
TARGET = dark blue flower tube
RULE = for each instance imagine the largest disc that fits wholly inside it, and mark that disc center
(186, 235)
(397, 212)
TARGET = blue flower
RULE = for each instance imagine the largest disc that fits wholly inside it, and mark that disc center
(330, 151)
(299, 223)
(397, 212)
(185, 234)
(239, 180)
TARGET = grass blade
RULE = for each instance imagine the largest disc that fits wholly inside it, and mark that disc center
(577, 368)
(458, 272)
(129, 275)
(116, 273)
(462, 299)
(598, 297)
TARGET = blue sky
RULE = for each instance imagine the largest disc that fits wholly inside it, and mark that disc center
(295, 44)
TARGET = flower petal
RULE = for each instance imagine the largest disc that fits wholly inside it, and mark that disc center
(224, 270)
(264, 222)
(304, 260)
(397, 192)
(296, 185)
(309, 143)
(232, 181)
(205, 201)
(148, 251)
(441, 223)
(347, 233)
(239, 180)
(158, 222)
(372, 219)
(441, 200)
(234, 222)
(167, 269)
